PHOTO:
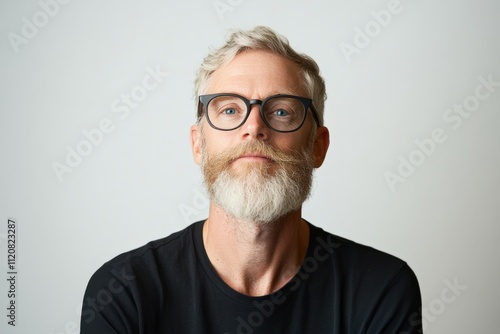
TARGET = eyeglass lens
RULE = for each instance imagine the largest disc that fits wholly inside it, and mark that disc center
(280, 113)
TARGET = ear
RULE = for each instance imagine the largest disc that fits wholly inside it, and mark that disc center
(321, 144)
(195, 133)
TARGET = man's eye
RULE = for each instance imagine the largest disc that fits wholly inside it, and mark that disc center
(229, 111)
(281, 112)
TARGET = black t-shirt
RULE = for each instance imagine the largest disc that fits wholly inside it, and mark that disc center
(169, 286)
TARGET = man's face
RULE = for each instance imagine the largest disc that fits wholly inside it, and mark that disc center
(239, 165)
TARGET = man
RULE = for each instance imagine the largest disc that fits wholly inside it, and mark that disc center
(255, 265)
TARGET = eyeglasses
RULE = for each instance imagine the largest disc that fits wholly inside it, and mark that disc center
(281, 113)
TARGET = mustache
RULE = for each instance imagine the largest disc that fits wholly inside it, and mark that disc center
(256, 147)
(214, 164)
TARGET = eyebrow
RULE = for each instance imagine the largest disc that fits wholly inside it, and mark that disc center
(283, 92)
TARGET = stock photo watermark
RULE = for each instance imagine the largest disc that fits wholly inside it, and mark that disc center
(12, 272)
(121, 106)
(97, 303)
(198, 206)
(266, 308)
(223, 6)
(105, 296)
(30, 28)
(379, 20)
(453, 117)
(436, 307)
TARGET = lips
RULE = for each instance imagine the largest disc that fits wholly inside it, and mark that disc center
(254, 157)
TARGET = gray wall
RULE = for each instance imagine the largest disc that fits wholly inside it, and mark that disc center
(408, 172)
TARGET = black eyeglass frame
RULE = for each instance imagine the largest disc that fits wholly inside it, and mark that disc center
(204, 101)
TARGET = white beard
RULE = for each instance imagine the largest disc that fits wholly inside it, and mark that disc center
(258, 192)
(257, 198)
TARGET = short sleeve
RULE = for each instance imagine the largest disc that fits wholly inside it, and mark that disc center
(108, 303)
(400, 306)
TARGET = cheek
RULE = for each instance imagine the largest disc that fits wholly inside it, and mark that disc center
(212, 145)
(291, 142)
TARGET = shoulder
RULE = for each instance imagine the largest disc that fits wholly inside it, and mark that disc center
(379, 290)
(172, 245)
(136, 280)
(360, 263)
(155, 257)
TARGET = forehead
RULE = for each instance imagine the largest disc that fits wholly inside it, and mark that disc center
(257, 74)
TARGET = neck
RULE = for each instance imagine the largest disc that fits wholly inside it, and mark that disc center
(255, 259)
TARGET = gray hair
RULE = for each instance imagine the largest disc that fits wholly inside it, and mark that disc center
(262, 38)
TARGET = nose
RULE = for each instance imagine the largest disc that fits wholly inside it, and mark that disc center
(254, 127)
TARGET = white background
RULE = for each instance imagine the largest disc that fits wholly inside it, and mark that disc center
(140, 182)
